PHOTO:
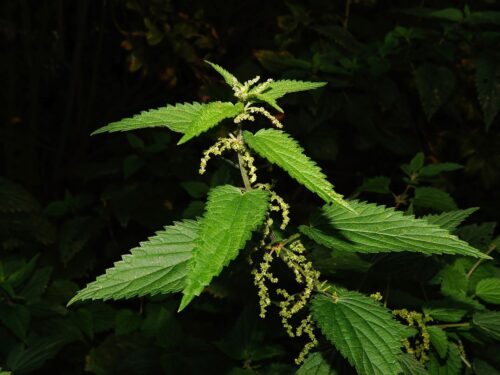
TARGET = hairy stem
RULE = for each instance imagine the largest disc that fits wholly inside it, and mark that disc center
(243, 171)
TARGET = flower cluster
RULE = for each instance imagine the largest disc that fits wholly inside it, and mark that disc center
(250, 111)
(241, 90)
(278, 204)
(306, 275)
(262, 275)
(421, 344)
(231, 143)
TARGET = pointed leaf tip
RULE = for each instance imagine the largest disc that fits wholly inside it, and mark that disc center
(230, 218)
(376, 228)
(210, 115)
(281, 149)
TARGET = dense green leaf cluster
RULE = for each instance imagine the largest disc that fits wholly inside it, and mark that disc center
(406, 285)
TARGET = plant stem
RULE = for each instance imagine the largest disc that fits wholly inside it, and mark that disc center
(243, 171)
(346, 14)
(478, 263)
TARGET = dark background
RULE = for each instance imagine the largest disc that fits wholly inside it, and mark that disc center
(402, 79)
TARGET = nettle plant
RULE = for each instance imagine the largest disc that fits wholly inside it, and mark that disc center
(252, 220)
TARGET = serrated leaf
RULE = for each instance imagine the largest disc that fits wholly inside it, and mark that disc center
(432, 170)
(415, 164)
(277, 89)
(210, 115)
(489, 290)
(159, 265)
(362, 330)
(281, 149)
(228, 77)
(451, 366)
(411, 366)
(439, 340)
(177, 118)
(14, 198)
(375, 228)
(25, 358)
(315, 364)
(280, 61)
(478, 235)
(436, 199)
(444, 314)
(455, 284)
(488, 87)
(451, 219)
(230, 218)
(16, 318)
(269, 100)
(488, 322)
(435, 84)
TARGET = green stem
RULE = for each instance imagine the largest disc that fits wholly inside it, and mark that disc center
(478, 263)
(243, 171)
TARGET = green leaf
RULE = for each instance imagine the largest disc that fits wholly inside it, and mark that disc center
(411, 366)
(489, 290)
(415, 164)
(455, 284)
(315, 364)
(362, 330)
(452, 366)
(478, 235)
(177, 118)
(245, 341)
(231, 216)
(451, 219)
(378, 184)
(484, 368)
(432, 170)
(210, 115)
(434, 84)
(14, 198)
(228, 77)
(281, 149)
(330, 262)
(436, 199)
(277, 89)
(488, 87)
(16, 318)
(35, 287)
(484, 17)
(439, 340)
(195, 189)
(445, 314)
(449, 14)
(488, 322)
(280, 61)
(269, 100)
(375, 228)
(159, 265)
(24, 359)
(127, 321)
